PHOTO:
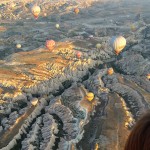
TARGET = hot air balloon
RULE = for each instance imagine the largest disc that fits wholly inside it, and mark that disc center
(57, 26)
(90, 96)
(36, 11)
(45, 14)
(118, 44)
(96, 146)
(110, 71)
(34, 101)
(133, 28)
(76, 10)
(79, 54)
(98, 45)
(50, 44)
(18, 46)
(148, 76)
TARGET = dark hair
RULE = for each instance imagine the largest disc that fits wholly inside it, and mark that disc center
(139, 138)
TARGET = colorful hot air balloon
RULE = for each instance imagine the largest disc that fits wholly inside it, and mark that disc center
(34, 101)
(36, 11)
(79, 54)
(118, 44)
(18, 46)
(76, 10)
(110, 71)
(50, 44)
(90, 96)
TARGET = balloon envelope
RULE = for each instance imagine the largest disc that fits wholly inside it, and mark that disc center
(57, 26)
(18, 46)
(76, 10)
(110, 71)
(98, 45)
(34, 101)
(118, 44)
(36, 11)
(90, 96)
(133, 28)
(50, 44)
(45, 14)
(79, 54)
(148, 76)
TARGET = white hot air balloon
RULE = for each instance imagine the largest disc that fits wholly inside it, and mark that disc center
(34, 101)
(18, 46)
(57, 26)
(118, 44)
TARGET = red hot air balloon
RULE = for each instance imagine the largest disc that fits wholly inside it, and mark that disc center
(50, 44)
(79, 54)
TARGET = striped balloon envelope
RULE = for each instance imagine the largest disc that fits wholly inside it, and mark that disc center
(118, 44)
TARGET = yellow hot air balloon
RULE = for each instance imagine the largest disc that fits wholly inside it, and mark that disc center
(118, 44)
(90, 96)
(98, 45)
(34, 101)
(36, 11)
(110, 71)
(96, 146)
(18, 46)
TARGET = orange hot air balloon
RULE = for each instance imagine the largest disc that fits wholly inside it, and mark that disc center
(50, 44)
(76, 10)
(36, 11)
(110, 71)
(79, 54)
(148, 76)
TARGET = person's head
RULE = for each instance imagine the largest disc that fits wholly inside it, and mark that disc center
(139, 138)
